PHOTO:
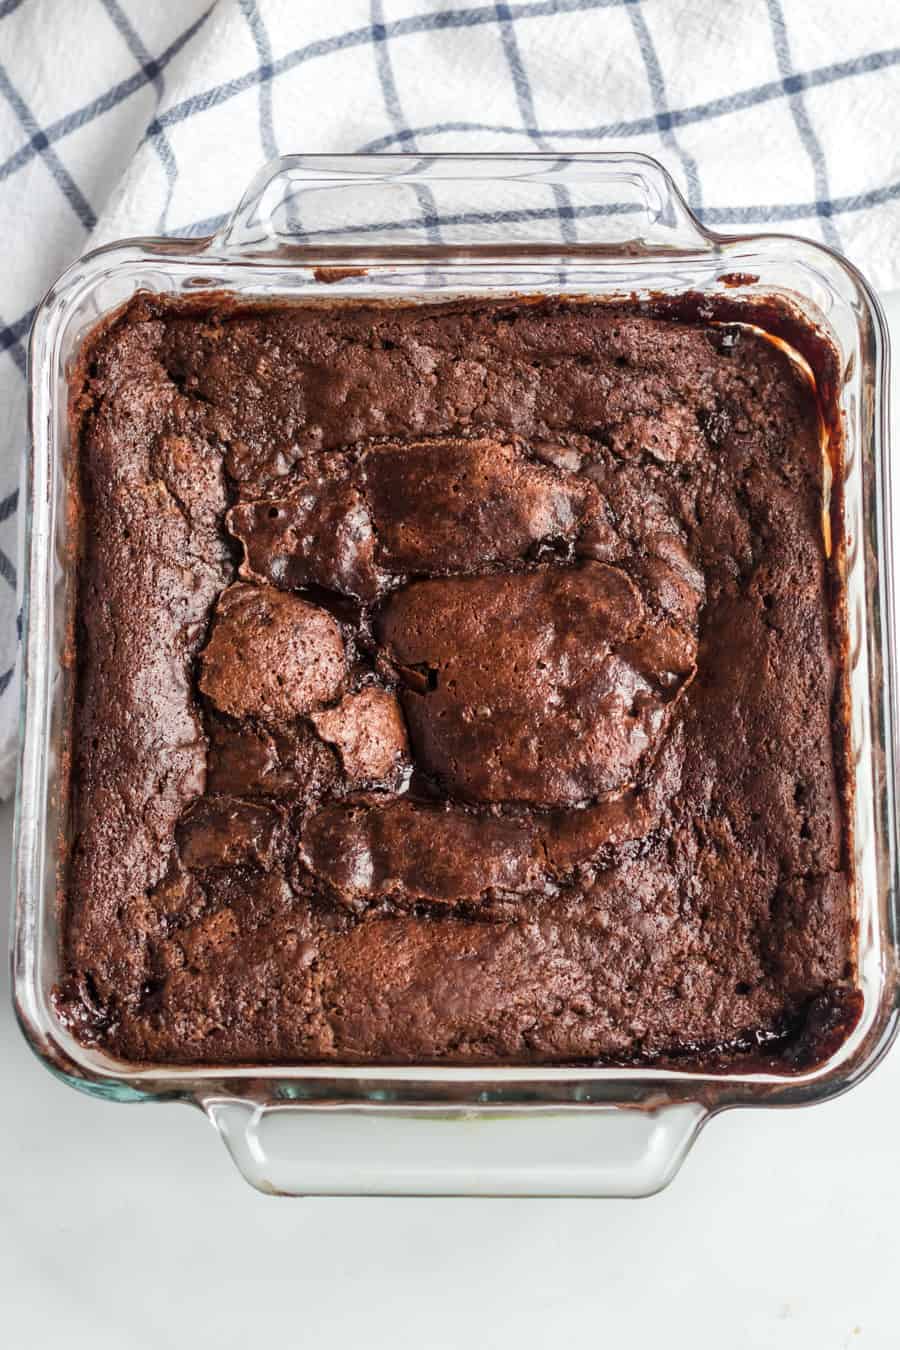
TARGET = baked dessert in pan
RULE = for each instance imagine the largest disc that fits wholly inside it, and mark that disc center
(456, 683)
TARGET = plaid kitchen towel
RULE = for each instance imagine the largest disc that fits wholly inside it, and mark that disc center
(122, 117)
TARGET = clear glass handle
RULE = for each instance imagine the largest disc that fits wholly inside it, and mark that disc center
(326, 1150)
(465, 200)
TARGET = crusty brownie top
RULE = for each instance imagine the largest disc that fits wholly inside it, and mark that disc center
(454, 684)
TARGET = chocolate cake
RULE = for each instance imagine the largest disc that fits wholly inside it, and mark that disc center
(454, 684)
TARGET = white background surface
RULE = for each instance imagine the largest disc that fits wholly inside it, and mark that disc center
(125, 1227)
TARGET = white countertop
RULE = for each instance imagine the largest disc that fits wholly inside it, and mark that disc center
(127, 1227)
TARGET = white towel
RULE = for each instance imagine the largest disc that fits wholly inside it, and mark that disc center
(123, 117)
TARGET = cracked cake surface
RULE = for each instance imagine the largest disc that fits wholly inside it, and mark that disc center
(454, 684)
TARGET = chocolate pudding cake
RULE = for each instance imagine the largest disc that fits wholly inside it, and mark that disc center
(454, 684)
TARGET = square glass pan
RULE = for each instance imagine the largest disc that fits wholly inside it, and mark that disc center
(415, 229)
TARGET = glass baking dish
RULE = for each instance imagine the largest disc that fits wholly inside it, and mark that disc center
(413, 228)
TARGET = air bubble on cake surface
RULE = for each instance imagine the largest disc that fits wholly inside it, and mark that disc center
(549, 688)
(410, 852)
(271, 655)
(368, 731)
(455, 505)
(316, 532)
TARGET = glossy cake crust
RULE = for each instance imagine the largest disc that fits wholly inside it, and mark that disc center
(454, 684)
